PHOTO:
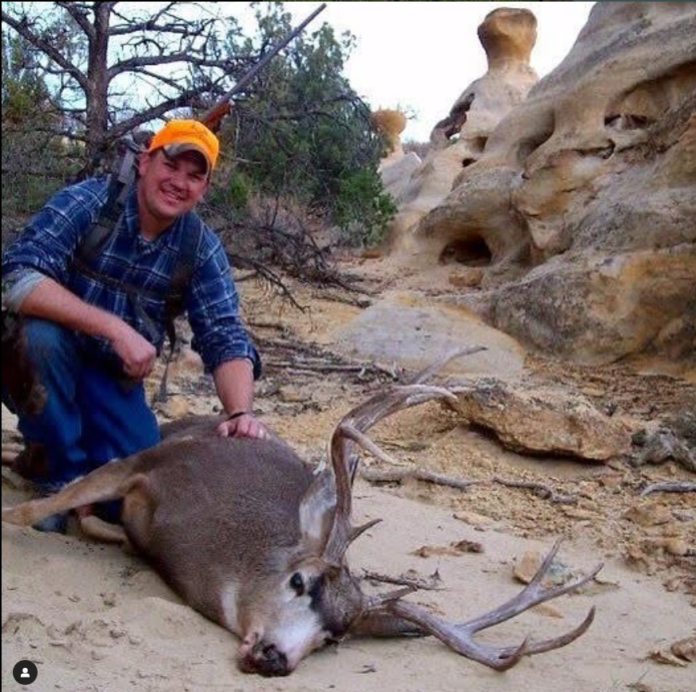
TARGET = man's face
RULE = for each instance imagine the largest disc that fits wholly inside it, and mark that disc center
(170, 187)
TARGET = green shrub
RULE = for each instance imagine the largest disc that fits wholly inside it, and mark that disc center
(363, 209)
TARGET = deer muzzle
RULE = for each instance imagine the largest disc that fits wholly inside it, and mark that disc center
(265, 659)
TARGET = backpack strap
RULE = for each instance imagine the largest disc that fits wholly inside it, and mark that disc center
(174, 303)
(181, 278)
(120, 180)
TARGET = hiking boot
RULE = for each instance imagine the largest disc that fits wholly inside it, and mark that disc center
(56, 523)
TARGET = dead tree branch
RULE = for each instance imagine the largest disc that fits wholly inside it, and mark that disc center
(432, 583)
(670, 487)
(540, 489)
(373, 475)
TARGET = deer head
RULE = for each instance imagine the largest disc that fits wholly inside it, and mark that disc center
(321, 601)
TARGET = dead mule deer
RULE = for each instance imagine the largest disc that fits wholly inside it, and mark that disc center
(256, 540)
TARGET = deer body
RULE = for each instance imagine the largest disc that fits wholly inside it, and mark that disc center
(255, 539)
(244, 492)
(219, 519)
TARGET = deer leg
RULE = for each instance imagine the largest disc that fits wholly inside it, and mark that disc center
(106, 483)
(138, 509)
(94, 527)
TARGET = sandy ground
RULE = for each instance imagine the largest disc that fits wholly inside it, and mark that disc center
(97, 620)
(93, 618)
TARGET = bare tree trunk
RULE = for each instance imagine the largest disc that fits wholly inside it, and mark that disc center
(97, 95)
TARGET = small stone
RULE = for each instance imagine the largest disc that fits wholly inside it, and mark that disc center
(651, 514)
(667, 658)
(472, 518)
(547, 611)
(527, 566)
(673, 584)
(593, 391)
(290, 394)
(176, 407)
(467, 546)
(611, 480)
(677, 546)
(685, 649)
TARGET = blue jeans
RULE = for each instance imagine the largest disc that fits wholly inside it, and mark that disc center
(90, 416)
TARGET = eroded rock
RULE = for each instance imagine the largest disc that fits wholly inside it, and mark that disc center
(582, 203)
(685, 649)
(541, 420)
(527, 565)
(508, 36)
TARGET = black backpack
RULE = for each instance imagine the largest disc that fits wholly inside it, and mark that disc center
(120, 180)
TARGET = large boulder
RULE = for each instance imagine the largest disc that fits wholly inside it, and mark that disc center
(582, 204)
(412, 332)
(542, 420)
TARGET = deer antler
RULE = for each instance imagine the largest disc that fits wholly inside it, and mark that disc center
(349, 430)
(460, 637)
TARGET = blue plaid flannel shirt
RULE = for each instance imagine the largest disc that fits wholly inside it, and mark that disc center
(52, 237)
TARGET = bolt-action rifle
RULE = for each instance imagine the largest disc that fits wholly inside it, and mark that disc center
(213, 117)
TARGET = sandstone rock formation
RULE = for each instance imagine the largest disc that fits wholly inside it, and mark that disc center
(508, 36)
(396, 167)
(583, 204)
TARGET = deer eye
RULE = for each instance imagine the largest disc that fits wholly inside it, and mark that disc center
(297, 583)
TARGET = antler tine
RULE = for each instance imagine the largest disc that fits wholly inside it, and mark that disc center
(381, 600)
(358, 531)
(538, 647)
(450, 634)
(351, 428)
(424, 374)
(460, 637)
(361, 419)
(533, 594)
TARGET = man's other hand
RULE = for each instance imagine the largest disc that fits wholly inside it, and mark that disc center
(136, 352)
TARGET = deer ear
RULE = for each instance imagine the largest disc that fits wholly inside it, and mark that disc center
(317, 512)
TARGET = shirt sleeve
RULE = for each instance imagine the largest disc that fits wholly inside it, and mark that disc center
(48, 242)
(17, 285)
(213, 309)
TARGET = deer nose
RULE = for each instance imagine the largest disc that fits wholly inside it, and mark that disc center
(265, 659)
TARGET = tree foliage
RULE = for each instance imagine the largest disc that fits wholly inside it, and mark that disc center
(305, 133)
(33, 160)
(100, 54)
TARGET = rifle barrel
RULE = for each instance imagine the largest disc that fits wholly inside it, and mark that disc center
(222, 106)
